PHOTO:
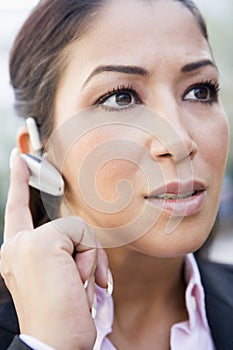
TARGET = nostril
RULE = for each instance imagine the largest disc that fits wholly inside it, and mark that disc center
(159, 150)
(165, 155)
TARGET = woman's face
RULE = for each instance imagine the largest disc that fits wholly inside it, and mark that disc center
(150, 61)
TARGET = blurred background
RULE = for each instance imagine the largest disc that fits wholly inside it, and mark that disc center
(218, 15)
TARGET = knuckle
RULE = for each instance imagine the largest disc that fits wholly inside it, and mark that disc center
(53, 239)
(12, 206)
(76, 230)
(6, 259)
(21, 244)
(4, 270)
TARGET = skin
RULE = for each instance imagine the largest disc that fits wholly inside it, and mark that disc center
(163, 91)
(155, 258)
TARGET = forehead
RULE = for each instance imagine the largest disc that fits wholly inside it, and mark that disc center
(153, 34)
(157, 27)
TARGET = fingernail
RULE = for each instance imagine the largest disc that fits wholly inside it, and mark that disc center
(85, 284)
(110, 284)
(13, 154)
(94, 307)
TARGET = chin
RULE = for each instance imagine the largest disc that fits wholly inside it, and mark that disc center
(187, 236)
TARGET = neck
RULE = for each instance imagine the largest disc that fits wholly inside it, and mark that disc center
(148, 289)
(134, 271)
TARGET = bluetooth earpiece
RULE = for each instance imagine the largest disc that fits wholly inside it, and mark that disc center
(43, 175)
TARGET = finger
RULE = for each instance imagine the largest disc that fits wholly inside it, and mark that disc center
(89, 256)
(91, 296)
(83, 246)
(102, 270)
(90, 290)
(77, 230)
(95, 261)
(86, 263)
(17, 215)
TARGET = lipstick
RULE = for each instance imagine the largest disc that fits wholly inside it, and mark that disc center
(179, 199)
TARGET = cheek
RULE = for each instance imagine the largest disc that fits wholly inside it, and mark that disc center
(209, 129)
(110, 197)
(106, 157)
(119, 177)
(213, 149)
(98, 178)
(213, 140)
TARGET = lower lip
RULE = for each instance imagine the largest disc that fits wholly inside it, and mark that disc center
(180, 207)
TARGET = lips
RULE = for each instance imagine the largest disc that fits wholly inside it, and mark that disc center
(179, 199)
(172, 196)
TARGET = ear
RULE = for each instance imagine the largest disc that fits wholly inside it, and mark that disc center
(23, 141)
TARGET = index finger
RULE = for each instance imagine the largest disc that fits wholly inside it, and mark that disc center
(17, 215)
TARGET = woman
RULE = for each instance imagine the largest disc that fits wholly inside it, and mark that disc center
(139, 79)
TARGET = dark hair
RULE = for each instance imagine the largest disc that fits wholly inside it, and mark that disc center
(37, 60)
(197, 15)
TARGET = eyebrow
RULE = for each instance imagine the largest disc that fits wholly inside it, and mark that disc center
(136, 70)
(190, 67)
(131, 70)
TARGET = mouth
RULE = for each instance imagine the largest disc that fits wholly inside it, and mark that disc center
(173, 196)
(179, 199)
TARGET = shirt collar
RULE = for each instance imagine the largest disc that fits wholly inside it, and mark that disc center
(194, 295)
(194, 298)
(104, 316)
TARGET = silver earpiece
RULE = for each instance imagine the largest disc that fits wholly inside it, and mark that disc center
(43, 175)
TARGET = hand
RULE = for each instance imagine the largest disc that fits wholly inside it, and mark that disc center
(45, 270)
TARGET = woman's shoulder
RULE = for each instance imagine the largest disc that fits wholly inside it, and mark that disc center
(217, 280)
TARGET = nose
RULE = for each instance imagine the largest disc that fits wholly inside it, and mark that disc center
(177, 148)
(173, 139)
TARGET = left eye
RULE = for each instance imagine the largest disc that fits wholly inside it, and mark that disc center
(119, 99)
(202, 93)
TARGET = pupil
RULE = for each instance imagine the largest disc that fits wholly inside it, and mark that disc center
(201, 93)
(123, 99)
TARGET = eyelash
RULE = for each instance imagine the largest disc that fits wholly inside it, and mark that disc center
(119, 89)
(213, 87)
